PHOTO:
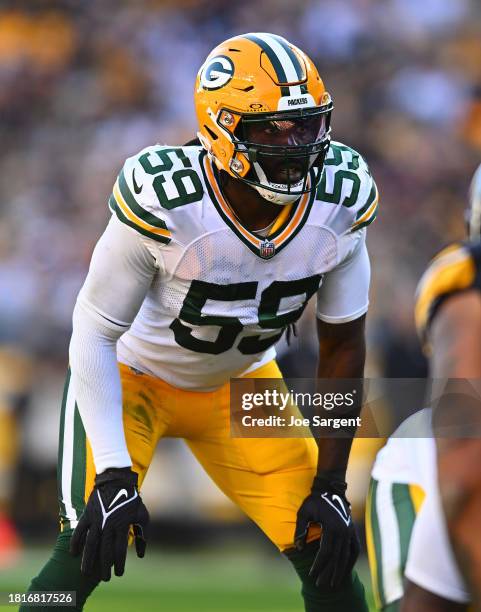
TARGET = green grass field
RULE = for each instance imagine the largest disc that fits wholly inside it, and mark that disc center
(229, 579)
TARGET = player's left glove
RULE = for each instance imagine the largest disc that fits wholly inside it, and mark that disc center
(103, 529)
(339, 545)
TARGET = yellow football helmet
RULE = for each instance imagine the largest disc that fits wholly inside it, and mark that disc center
(264, 115)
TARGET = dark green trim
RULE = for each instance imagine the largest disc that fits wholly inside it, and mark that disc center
(370, 199)
(63, 510)
(406, 515)
(376, 535)
(278, 67)
(114, 207)
(367, 222)
(224, 217)
(253, 247)
(304, 218)
(135, 206)
(79, 464)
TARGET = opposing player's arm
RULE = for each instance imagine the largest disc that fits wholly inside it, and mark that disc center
(454, 337)
(456, 361)
(448, 317)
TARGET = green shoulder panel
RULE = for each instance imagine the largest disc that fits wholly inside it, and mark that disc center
(152, 183)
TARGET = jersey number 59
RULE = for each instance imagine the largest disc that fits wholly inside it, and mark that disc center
(230, 327)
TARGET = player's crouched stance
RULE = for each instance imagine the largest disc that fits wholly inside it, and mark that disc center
(213, 249)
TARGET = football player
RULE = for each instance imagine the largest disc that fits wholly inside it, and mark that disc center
(407, 532)
(212, 250)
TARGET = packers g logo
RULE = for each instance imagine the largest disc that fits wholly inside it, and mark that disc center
(216, 72)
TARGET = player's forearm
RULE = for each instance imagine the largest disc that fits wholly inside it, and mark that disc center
(96, 380)
(342, 355)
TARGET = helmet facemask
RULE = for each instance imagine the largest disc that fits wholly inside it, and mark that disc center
(281, 148)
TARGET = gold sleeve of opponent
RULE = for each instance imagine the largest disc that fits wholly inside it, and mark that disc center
(452, 270)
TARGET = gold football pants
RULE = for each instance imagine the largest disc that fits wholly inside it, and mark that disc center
(268, 478)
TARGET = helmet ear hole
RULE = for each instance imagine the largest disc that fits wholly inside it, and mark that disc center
(212, 134)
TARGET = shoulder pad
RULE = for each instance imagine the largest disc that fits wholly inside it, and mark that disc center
(454, 269)
(347, 182)
(151, 184)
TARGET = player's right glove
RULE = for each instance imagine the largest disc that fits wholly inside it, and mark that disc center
(103, 529)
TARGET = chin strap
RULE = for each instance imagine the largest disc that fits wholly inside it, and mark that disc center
(272, 196)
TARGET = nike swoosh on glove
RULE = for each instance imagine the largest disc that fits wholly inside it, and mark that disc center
(103, 529)
(339, 546)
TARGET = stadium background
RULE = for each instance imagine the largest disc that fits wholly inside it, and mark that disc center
(84, 85)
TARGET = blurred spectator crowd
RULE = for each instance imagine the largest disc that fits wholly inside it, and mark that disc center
(83, 85)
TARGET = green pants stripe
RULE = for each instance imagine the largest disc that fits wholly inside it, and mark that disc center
(60, 445)
(71, 460)
(376, 533)
(406, 515)
(79, 464)
(392, 515)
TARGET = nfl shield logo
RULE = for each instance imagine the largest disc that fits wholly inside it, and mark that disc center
(267, 249)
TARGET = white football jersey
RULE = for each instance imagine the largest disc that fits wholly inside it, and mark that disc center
(221, 296)
(430, 562)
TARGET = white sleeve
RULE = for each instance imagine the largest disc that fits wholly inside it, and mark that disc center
(431, 563)
(344, 293)
(120, 274)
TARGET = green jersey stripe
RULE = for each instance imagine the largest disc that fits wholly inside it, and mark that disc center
(120, 215)
(135, 207)
(79, 464)
(370, 199)
(63, 510)
(112, 204)
(406, 516)
(302, 222)
(366, 222)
